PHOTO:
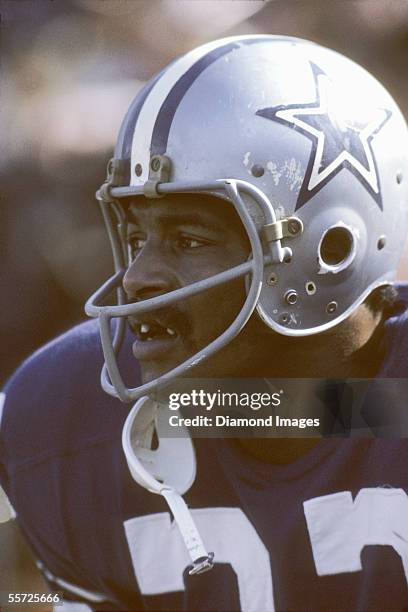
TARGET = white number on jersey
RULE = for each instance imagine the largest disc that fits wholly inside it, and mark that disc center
(159, 555)
(338, 528)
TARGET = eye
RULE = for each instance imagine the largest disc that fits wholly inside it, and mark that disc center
(135, 242)
(189, 242)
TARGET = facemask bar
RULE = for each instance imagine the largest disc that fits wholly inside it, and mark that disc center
(114, 217)
(111, 379)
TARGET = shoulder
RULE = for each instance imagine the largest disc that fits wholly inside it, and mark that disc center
(400, 316)
(54, 401)
(402, 288)
(396, 338)
(54, 371)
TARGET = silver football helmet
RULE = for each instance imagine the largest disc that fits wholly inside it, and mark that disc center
(307, 146)
(313, 154)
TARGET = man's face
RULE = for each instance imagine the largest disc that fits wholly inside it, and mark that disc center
(174, 242)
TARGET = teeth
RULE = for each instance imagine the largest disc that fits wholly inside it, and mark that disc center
(145, 328)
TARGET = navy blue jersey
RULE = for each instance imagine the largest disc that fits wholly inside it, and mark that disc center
(327, 532)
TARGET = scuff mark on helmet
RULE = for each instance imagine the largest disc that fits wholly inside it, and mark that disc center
(293, 172)
(273, 169)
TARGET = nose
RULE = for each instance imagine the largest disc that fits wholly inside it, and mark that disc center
(148, 275)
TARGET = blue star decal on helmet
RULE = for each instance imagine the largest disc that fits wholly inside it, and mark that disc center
(337, 144)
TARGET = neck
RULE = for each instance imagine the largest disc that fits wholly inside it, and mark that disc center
(279, 451)
(351, 350)
(339, 353)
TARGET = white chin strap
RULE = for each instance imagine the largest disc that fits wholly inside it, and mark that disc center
(168, 470)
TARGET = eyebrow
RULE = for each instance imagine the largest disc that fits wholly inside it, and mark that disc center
(174, 219)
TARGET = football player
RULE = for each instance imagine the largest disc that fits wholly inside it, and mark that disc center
(256, 206)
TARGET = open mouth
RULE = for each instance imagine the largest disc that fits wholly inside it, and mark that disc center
(153, 339)
(148, 331)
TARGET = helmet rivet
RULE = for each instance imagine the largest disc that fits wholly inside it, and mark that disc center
(399, 177)
(155, 164)
(272, 279)
(138, 169)
(291, 297)
(331, 307)
(257, 170)
(284, 318)
(381, 242)
(294, 226)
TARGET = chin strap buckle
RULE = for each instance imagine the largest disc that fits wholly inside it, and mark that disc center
(201, 565)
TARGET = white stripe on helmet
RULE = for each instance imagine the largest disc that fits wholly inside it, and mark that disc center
(143, 133)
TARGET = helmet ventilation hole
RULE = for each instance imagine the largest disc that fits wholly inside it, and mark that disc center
(381, 242)
(272, 279)
(336, 246)
(138, 169)
(310, 288)
(284, 318)
(257, 170)
(399, 177)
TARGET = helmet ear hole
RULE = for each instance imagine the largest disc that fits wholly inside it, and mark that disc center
(336, 246)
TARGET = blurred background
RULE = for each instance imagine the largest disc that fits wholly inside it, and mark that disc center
(70, 68)
(69, 71)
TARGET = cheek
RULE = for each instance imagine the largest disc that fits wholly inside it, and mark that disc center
(213, 311)
(209, 262)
